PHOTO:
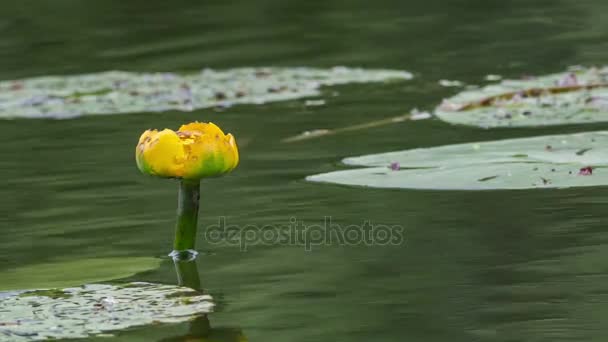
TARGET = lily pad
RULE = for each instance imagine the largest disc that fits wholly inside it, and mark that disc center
(74, 272)
(116, 92)
(95, 309)
(574, 97)
(553, 161)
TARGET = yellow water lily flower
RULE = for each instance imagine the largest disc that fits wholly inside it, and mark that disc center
(197, 150)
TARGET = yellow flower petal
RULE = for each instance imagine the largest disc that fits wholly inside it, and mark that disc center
(195, 151)
(235, 150)
(160, 153)
(201, 127)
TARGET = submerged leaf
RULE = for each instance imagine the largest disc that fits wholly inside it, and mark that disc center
(115, 92)
(74, 272)
(578, 96)
(504, 164)
(306, 135)
(95, 309)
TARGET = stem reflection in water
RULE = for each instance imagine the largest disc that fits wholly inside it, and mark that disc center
(200, 328)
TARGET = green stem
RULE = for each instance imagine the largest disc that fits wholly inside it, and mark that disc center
(187, 215)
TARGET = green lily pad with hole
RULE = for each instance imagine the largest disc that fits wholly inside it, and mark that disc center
(117, 92)
(74, 272)
(577, 96)
(95, 310)
(553, 161)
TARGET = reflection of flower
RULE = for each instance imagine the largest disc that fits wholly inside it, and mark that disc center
(197, 150)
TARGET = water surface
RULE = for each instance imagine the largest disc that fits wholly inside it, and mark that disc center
(475, 266)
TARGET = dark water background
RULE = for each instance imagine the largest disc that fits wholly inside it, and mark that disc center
(475, 266)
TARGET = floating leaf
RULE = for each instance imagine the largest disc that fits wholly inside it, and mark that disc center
(95, 309)
(126, 92)
(503, 164)
(573, 97)
(449, 83)
(493, 77)
(74, 272)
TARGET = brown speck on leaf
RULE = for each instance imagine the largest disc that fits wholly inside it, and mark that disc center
(548, 148)
(545, 181)
(240, 93)
(485, 179)
(583, 151)
(3, 324)
(262, 73)
(16, 86)
(277, 89)
(133, 93)
(220, 96)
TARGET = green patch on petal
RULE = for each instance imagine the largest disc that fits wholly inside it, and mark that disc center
(143, 167)
(211, 166)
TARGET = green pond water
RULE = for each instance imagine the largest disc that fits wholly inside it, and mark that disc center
(529, 265)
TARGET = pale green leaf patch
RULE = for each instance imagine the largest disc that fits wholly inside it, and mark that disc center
(528, 163)
(577, 96)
